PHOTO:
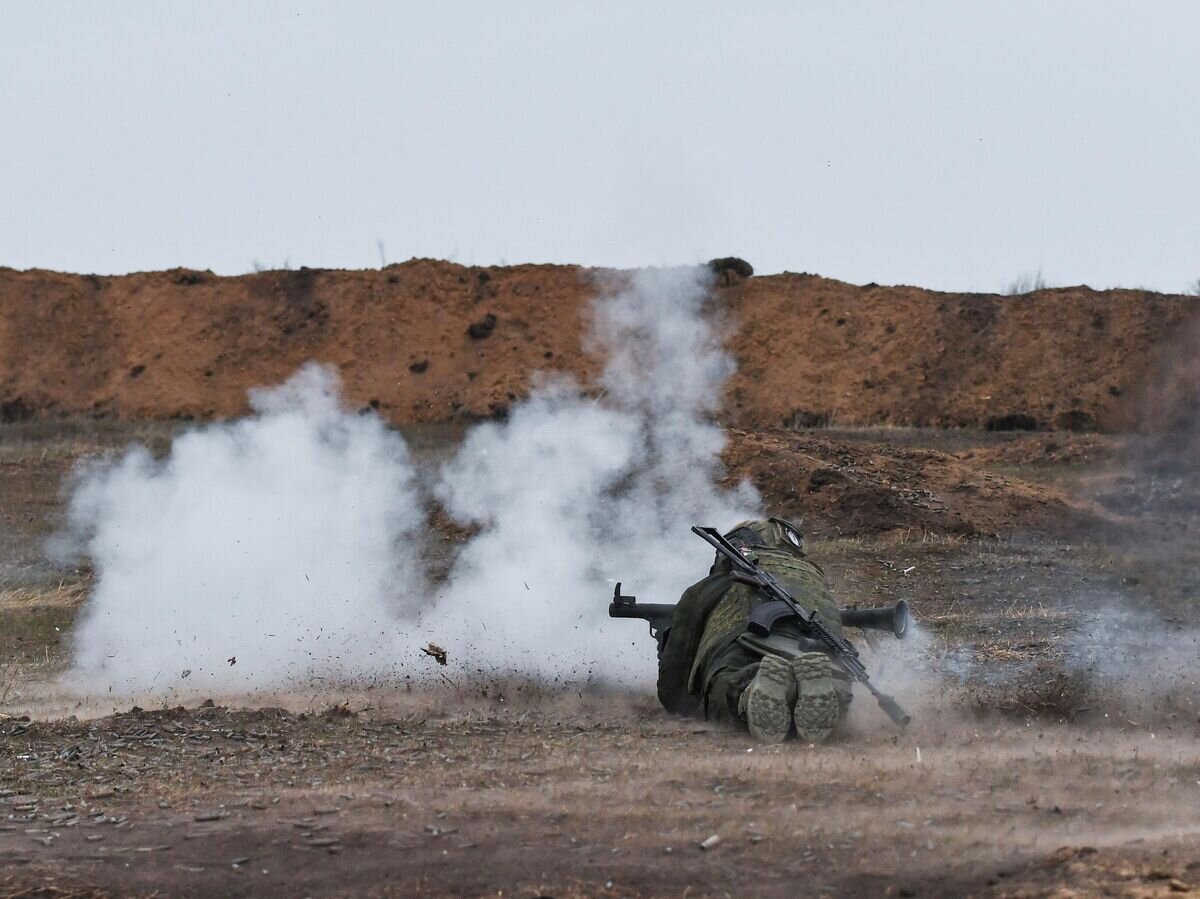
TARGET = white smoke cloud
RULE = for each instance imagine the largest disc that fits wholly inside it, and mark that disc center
(574, 494)
(258, 553)
(288, 540)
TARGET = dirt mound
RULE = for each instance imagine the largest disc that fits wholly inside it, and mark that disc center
(423, 341)
(430, 341)
(842, 488)
(815, 351)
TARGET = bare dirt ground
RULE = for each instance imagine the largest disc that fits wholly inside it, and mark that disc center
(1052, 754)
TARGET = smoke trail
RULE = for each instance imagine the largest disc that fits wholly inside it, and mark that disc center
(258, 553)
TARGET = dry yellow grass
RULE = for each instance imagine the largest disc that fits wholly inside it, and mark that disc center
(15, 599)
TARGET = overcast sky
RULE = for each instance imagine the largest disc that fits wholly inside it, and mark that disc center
(953, 145)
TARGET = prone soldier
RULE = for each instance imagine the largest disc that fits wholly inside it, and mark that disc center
(759, 643)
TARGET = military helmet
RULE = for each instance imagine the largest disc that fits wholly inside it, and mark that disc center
(773, 533)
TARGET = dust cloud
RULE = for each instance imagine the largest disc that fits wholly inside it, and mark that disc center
(1135, 661)
(258, 552)
(286, 547)
(1135, 651)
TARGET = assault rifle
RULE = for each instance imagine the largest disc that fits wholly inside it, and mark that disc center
(747, 571)
(660, 615)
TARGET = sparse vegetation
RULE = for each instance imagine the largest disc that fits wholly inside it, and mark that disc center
(33, 627)
(1027, 283)
(8, 683)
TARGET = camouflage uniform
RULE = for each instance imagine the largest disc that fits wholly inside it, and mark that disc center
(709, 659)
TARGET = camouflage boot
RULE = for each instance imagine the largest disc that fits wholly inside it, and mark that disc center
(817, 700)
(767, 703)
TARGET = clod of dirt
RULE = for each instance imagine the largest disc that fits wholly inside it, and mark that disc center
(730, 269)
(436, 652)
(338, 710)
(483, 328)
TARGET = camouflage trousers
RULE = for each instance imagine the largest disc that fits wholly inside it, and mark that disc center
(729, 673)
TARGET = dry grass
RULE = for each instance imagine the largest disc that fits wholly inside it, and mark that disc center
(64, 442)
(34, 625)
(1026, 283)
(911, 536)
(46, 885)
(905, 537)
(9, 679)
(1046, 692)
(18, 599)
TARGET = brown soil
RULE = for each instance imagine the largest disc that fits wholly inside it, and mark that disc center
(812, 349)
(437, 796)
(430, 341)
(1026, 451)
(1022, 776)
(840, 487)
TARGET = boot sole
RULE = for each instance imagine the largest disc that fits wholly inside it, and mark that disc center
(769, 703)
(817, 707)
